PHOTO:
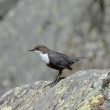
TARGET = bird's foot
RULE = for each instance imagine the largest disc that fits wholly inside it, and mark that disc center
(51, 84)
(61, 78)
(55, 82)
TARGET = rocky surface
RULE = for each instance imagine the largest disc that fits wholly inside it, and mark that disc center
(74, 27)
(85, 90)
(5, 6)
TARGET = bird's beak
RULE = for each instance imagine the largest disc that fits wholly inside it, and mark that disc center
(32, 50)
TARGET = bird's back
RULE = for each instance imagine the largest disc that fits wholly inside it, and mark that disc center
(62, 61)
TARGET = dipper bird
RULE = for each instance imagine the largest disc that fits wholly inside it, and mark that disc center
(55, 60)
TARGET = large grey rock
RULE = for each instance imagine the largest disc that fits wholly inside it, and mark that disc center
(85, 90)
(5, 6)
(62, 25)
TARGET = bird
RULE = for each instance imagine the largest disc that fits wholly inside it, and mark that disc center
(55, 60)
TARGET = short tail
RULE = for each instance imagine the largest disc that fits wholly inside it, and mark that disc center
(75, 59)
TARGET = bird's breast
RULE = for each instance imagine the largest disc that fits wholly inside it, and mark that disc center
(44, 57)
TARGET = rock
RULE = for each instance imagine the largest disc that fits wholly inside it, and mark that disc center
(5, 6)
(62, 25)
(85, 90)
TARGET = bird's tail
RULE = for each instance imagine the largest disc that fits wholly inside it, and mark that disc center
(75, 59)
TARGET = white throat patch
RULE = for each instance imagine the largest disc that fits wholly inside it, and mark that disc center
(44, 57)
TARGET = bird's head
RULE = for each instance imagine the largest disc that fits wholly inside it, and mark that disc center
(40, 49)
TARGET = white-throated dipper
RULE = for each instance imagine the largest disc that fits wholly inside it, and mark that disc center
(55, 60)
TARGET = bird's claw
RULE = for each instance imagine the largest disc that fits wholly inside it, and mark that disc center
(51, 84)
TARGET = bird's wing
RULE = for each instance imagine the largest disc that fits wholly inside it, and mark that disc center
(75, 59)
(59, 60)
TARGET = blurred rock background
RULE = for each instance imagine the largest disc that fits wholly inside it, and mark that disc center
(74, 27)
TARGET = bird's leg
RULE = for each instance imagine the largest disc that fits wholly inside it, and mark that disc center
(56, 80)
(58, 77)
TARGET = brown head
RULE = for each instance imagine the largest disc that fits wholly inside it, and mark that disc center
(40, 48)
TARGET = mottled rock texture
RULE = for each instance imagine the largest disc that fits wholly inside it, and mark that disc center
(85, 90)
(73, 27)
(5, 6)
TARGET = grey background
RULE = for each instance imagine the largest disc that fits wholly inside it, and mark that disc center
(73, 27)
